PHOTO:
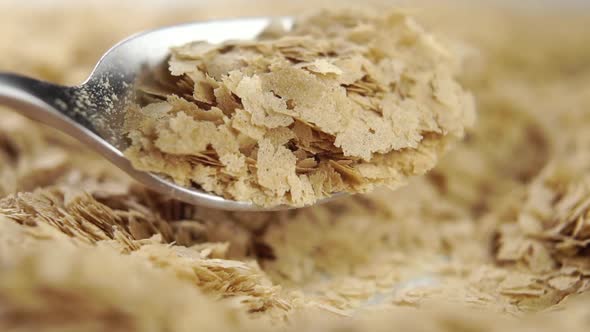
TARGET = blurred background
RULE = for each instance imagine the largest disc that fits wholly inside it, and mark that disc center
(60, 40)
(192, 2)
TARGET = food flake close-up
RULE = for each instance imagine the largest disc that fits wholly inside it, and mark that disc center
(459, 133)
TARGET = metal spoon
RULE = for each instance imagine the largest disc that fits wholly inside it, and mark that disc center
(93, 112)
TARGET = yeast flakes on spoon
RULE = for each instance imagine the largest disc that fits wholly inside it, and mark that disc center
(342, 102)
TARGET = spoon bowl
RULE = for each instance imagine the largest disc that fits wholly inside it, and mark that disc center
(94, 111)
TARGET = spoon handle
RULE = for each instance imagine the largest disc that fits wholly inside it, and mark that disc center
(41, 101)
(54, 105)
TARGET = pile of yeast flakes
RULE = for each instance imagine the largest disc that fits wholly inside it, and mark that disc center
(343, 102)
(495, 238)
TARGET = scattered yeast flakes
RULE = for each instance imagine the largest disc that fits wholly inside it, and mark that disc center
(495, 239)
(343, 102)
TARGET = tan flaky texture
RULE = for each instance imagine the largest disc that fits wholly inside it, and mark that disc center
(494, 238)
(343, 102)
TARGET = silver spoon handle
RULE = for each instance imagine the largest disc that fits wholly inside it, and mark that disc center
(53, 105)
(41, 101)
